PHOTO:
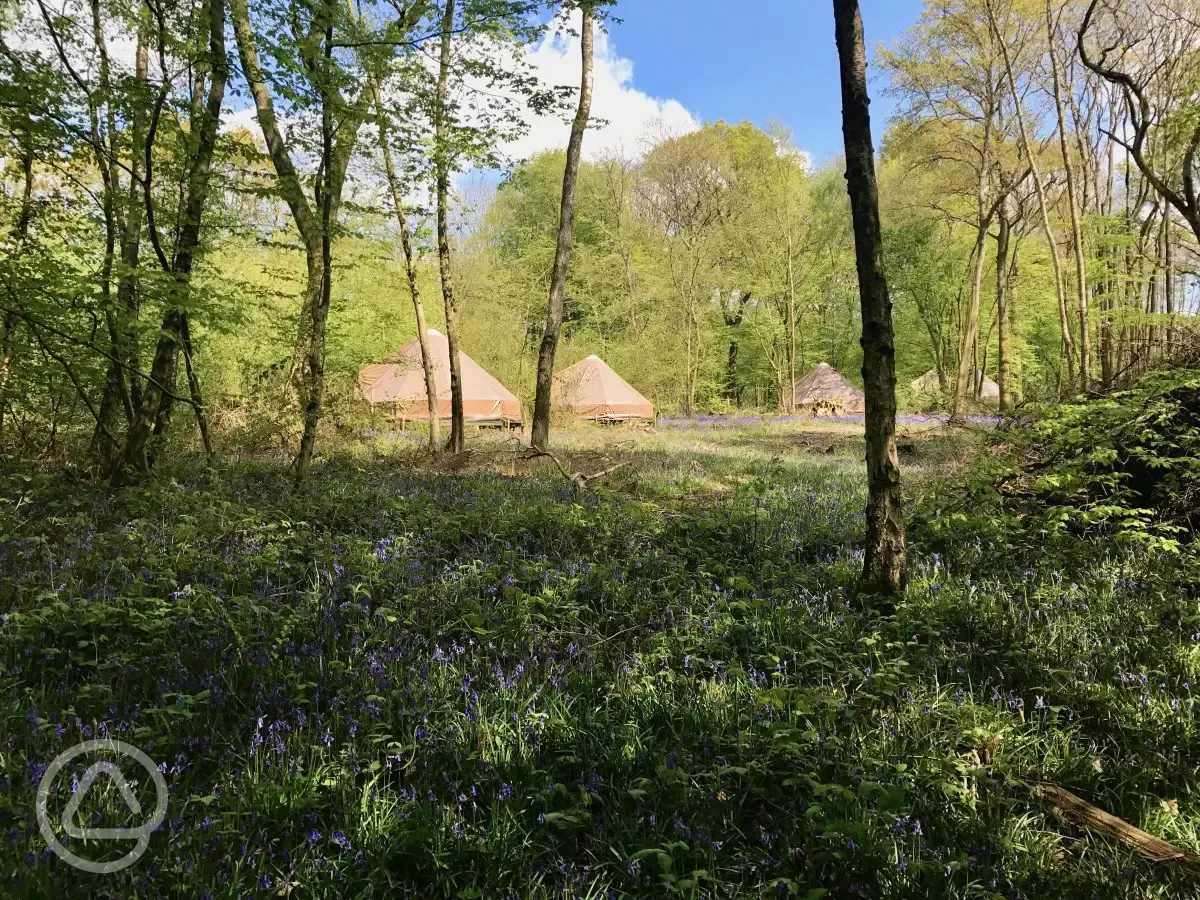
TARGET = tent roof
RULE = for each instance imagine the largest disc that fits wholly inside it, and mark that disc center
(400, 379)
(928, 384)
(824, 382)
(592, 390)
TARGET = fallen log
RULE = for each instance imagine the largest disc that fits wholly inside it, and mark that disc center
(579, 481)
(1083, 813)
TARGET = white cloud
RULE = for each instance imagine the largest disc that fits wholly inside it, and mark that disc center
(73, 23)
(629, 119)
(626, 121)
(244, 118)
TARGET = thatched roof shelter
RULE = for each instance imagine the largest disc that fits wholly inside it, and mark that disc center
(824, 382)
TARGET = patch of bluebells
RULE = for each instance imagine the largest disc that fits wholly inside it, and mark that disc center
(731, 421)
(492, 672)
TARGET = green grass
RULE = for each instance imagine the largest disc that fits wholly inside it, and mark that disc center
(482, 684)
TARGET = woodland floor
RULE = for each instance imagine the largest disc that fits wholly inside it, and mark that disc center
(470, 680)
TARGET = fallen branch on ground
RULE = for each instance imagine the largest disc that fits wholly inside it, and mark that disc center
(1084, 813)
(579, 481)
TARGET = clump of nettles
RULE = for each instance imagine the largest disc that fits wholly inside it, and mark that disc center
(1124, 467)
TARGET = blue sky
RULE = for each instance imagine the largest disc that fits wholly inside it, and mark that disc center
(670, 65)
(762, 60)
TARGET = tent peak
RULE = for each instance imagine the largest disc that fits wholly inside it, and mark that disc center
(433, 332)
(590, 389)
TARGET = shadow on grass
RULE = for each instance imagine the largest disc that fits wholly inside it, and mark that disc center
(478, 682)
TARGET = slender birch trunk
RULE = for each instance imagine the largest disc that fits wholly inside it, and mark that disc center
(442, 178)
(1060, 292)
(540, 433)
(1003, 315)
(410, 270)
(1081, 295)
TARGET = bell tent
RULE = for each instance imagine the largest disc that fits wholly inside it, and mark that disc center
(590, 389)
(400, 381)
(928, 384)
(991, 391)
(824, 383)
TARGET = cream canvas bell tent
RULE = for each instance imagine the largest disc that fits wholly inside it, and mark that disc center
(991, 391)
(928, 384)
(400, 381)
(824, 383)
(591, 390)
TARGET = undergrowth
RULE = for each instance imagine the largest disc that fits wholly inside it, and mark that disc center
(490, 686)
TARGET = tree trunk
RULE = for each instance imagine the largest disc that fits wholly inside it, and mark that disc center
(287, 182)
(694, 356)
(687, 372)
(127, 301)
(336, 152)
(1003, 313)
(732, 392)
(791, 356)
(1168, 331)
(194, 388)
(540, 435)
(21, 234)
(1068, 344)
(8, 326)
(442, 163)
(733, 312)
(1016, 391)
(116, 394)
(884, 564)
(154, 410)
(410, 269)
(978, 368)
(320, 311)
(966, 344)
(1081, 296)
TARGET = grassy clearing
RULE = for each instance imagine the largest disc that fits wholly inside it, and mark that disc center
(480, 684)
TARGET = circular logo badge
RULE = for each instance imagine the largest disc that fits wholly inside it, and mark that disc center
(104, 767)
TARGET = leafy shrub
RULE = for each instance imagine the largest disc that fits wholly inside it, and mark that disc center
(1126, 465)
